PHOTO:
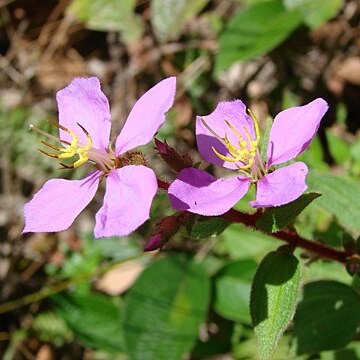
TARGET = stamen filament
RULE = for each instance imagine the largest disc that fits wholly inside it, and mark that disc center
(245, 167)
(235, 131)
(232, 149)
(259, 161)
(104, 160)
(245, 154)
(213, 132)
(223, 157)
(70, 149)
(49, 145)
(48, 154)
(250, 140)
(256, 125)
(43, 133)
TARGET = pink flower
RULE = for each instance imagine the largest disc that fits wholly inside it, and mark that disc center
(230, 137)
(84, 130)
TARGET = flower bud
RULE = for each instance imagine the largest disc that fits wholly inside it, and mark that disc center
(172, 157)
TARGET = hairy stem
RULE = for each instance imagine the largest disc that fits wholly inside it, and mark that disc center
(291, 237)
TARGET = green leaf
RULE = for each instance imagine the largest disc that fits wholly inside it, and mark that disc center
(165, 308)
(328, 316)
(265, 137)
(241, 242)
(255, 31)
(109, 15)
(52, 328)
(315, 13)
(233, 284)
(313, 156)
(351, 352)
(169, 16)
(209, 227)
(355, 150)
(340, 197)
(95, 319)
(274, 295)
(115, 248)
(339, 148)
(325, 270)
(276, 218)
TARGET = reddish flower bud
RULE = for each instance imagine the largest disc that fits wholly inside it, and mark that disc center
(156, 242)
(165, 229)
(172, 157)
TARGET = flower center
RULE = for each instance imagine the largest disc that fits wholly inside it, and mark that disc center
(130, 158)
(84, 152)
(244, 152)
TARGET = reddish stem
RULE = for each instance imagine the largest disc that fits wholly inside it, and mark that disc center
(163, 184)
(288, 236)
(314, 247)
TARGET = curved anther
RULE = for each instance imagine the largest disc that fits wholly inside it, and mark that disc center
(48, 154)
(65, 166)
(256, 125)
(245, 149)
(246, 167)
(69, 149)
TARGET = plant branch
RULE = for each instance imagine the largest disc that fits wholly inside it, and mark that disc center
(291, 237)
(163, 184)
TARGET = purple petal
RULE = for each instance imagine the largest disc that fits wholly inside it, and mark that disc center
(83, 102)
(146, 117)
(55, 206)
(127, 201)
(293, 130)
(200, 193)
(235, 113)
(281, 186)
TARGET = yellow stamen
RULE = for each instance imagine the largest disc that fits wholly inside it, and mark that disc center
(223, 157)
(242, 140)
(69, 149)
(245, 167)
(51, 146)
(256, 125)
(245, 150)
(48, 154)
(213, 132)
(233, 150)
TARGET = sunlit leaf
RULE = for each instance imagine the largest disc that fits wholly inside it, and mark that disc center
(274, 295)
(52, 328)
(315, 13)
(109, 15)
(232, 285)
(341, 197)
(241, 242)
(339, 148)
(255, 31)
(169, 16)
